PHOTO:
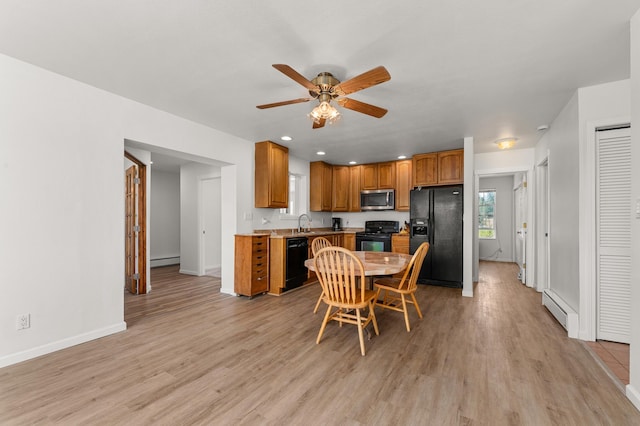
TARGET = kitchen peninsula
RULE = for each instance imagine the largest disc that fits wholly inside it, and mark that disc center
(278, 253)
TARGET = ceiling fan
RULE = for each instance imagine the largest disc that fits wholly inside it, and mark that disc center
(325, 88)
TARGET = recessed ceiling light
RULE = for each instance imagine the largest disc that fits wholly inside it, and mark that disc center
(506, 143)
(401, 157)
(353, 162)
(320, 152)
(286, 138)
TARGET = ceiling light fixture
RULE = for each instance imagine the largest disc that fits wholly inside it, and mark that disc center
(320, 152)
(286, 138)
(506, 143)
(543, 127)
(325, 111)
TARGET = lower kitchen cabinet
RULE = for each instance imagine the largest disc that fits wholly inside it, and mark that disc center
(251, 275)
(400, 243)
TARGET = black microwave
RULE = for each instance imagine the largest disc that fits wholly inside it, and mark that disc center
(377, 199)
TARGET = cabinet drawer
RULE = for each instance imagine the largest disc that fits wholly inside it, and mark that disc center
(259, 243)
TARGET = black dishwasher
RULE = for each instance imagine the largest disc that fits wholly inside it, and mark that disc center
(297, 251)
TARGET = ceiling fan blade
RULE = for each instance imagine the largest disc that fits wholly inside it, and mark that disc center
(367, 79)
(277, 104)
(320, 124)
(362, 107)
(296, 76)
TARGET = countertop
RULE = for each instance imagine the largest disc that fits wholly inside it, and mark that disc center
(287, 233)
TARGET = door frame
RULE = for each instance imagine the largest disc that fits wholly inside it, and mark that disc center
(142, 222)
(587, 226)
(530, 275)
(542, 214)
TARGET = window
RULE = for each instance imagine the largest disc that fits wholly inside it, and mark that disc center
(297, 197)
(486, 214)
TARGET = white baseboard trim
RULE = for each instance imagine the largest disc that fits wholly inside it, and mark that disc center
(188, 272)
(165, 261)
(61, 344)
(559, 308)
(633, 395)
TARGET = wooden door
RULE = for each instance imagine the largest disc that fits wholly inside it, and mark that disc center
(136, 227)
(131, 236)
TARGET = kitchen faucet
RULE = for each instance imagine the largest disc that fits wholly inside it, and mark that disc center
(300, 218)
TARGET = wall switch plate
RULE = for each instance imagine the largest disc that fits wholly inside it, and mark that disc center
(23, 321)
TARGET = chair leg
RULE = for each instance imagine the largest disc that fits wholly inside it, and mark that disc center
(360, 331)
(406, 312)
(415, 303)
(372, 312)
(324, 324)
(318, 303)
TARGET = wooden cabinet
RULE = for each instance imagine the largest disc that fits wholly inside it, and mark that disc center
(403, 184)
(451, 167)
(320, 184)
(387, 175)
(340, 192)
(355, 187)
(349, 241)
(400, 243)
(251, 274)
(438, 168)
(271, 175)
(379, 175)
(425, 169)
(370, 176)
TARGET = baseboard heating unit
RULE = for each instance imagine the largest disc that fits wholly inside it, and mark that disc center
(562, 312)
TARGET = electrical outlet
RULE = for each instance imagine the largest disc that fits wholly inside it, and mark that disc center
(23, 321)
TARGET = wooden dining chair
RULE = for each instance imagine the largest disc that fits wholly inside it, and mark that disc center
(395, 290)
(317, 244)
(338, 271)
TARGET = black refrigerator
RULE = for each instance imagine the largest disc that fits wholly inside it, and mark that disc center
(436, 217)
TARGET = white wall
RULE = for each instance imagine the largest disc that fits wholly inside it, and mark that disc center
(66, 267)
(164, 229)
(633, 389)
(563, 141)
(505, 234)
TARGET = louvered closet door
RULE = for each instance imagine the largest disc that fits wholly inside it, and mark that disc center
(614, 235)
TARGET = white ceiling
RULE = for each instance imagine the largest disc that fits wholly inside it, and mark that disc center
(487, 69)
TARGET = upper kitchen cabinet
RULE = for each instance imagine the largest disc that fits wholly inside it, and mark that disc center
(425, 169)
(271, 175)
(451, 167)
(379, 175)
(355, 186)
(340, 193)
(320, 184)
(438, 168)
(403, 184)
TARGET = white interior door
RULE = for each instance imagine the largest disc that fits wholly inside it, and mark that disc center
(613, 222)
(542, 226)
(211, 224)
(520, 200)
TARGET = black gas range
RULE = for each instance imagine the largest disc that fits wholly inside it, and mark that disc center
(377, 235)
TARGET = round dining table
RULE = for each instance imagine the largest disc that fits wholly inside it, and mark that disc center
(376, 262)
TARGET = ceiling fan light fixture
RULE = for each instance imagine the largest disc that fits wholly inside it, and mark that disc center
(324, 111)
(506, 143)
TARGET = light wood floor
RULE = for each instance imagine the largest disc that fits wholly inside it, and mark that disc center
(194, 356)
